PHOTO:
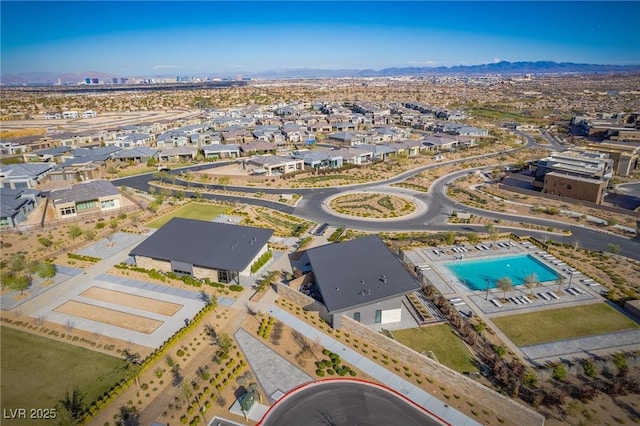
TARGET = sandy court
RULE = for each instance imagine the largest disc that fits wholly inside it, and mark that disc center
(131, 301)
(109, 316)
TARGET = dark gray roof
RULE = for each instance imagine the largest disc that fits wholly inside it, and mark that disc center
(56, 150)
(358, 273)
(12, 200)
(137, 152)
(84, 192)
(31, 170)
(208, 244)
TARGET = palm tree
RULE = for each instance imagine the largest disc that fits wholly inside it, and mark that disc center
(74, 231)
(531, 281)
(505, 284)
(74, 405)
(559, 281)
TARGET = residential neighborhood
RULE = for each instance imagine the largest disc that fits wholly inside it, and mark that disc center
(224, 255)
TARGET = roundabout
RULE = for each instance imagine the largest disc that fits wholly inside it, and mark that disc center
(378, 204)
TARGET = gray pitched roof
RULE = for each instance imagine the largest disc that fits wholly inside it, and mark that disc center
(84, 192)
(358, 272)
(208, 244)
(31, 170)
(141, 151)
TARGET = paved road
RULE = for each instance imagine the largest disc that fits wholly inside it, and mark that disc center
(433, 218)
(346, 403)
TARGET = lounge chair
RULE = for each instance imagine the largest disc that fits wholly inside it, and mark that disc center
(552, 295)
(496, 303)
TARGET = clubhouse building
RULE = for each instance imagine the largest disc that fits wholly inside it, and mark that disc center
(218, 251)
(361, 279)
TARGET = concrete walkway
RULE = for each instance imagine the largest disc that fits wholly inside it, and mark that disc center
(276, 375)
(582, 347)
(417, 395)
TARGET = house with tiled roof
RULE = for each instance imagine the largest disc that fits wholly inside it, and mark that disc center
(88, 197)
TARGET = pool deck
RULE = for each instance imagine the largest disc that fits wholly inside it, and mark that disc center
(577, 289)
(520, 299)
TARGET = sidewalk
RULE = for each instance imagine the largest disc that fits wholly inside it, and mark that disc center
(417, 395)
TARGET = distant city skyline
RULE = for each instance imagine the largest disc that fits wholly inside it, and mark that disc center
(186, 38)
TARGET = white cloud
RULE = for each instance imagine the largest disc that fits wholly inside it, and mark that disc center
(496, 60)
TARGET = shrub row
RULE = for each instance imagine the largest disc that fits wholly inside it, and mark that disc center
(265, 327)
(262, 260)
(187, 279)
(82, 257)
(124, 384)
(333, 365)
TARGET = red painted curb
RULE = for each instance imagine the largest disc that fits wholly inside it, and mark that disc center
(360, 381)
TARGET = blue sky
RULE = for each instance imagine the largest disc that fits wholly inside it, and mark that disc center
(175, 38)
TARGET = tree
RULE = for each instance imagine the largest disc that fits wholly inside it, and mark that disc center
(74, 231)
(44, 270)
(473, 238)
(224, 342)
(74, 406)
(114, 224)
(530, 282)
(186, 390)
(589, 368)
(560, 372)
(189, 177)
(46, 242)
(449, 238)
(213, 302)
(18, 282)
(89, 234)
(161, 176)
(17, 263)
(505, 284)
(559, 282)
(128, 416)
(613, 248)
(492, 231)
(135, 219)
(620, 361)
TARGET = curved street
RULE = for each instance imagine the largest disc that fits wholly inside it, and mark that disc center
(432, 217)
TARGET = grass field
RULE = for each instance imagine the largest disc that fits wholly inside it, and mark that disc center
(191, 211)
(37, 372)
(565, 323)
(441, 340)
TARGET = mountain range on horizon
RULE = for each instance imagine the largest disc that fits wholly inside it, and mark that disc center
(497, 68)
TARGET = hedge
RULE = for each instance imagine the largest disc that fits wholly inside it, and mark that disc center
(82, 257)
(262, 260)
(146, 363)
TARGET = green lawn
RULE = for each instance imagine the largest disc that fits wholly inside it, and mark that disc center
(441, 340)
(565, 323)
(37, 372)
(191, 211)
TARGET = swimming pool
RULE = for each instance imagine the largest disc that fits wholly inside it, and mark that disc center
(477, 274)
